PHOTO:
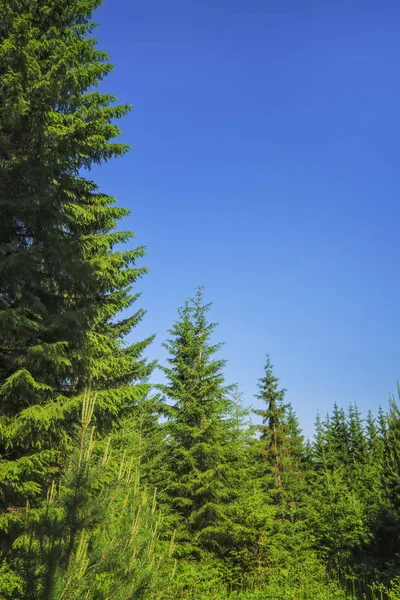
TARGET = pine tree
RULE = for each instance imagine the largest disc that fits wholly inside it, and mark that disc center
(250, 519)
(96, 533)
(371, 430)
(203, 473)
(281, 470)
(319, 444)
(242, 429)
(62, 280)
(357, 443)
(272, 434)
(392, 455)
(336, 516)
(339, 437)
(281, 445)
(345, 491)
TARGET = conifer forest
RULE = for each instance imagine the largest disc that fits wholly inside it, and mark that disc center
(122, 478)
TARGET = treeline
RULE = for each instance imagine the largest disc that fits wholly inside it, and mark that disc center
(115, 488)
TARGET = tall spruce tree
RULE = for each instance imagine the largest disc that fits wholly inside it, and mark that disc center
(203, 473)
(282, 470)
(357, 443)
(272, 429)
(62, 281)
(339, 437)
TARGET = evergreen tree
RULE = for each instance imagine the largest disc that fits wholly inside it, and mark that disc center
(319, 443)
(338, 437)
(345, 491)
(366, 465)
(250, 518)
(242, 429)
(272, 432)
(336, 516)
(62, 281)
(281, 445)
(382, 423)
(390, 521)
(282, 472)
(203, 473)
(357, 441)
(371, 431)
(96, 533)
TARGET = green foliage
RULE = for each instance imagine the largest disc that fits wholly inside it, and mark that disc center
(201, 453)
(280, 469)
(96, 534)
(391, 461)
(63, 282)
(256, 516)
(281, 450)
(273, 415)
(337, 516)
(347, 499)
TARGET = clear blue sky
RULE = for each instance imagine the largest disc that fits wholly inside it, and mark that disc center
(265, 165)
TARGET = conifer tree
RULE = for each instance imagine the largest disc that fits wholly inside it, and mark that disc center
(242, 429)
(357, 443)
(338, 437)
(382, 422)
(371, 430)
(366, 465)
(203, 473)
(392, 456)
(272, 429)
(250, 518)
(282, 469)
(336, 516)
(281, 443)
(344, 490)
(96, 533)
(62, 280)
(318, 444)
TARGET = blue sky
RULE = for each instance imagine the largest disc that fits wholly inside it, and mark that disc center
(265, 166)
